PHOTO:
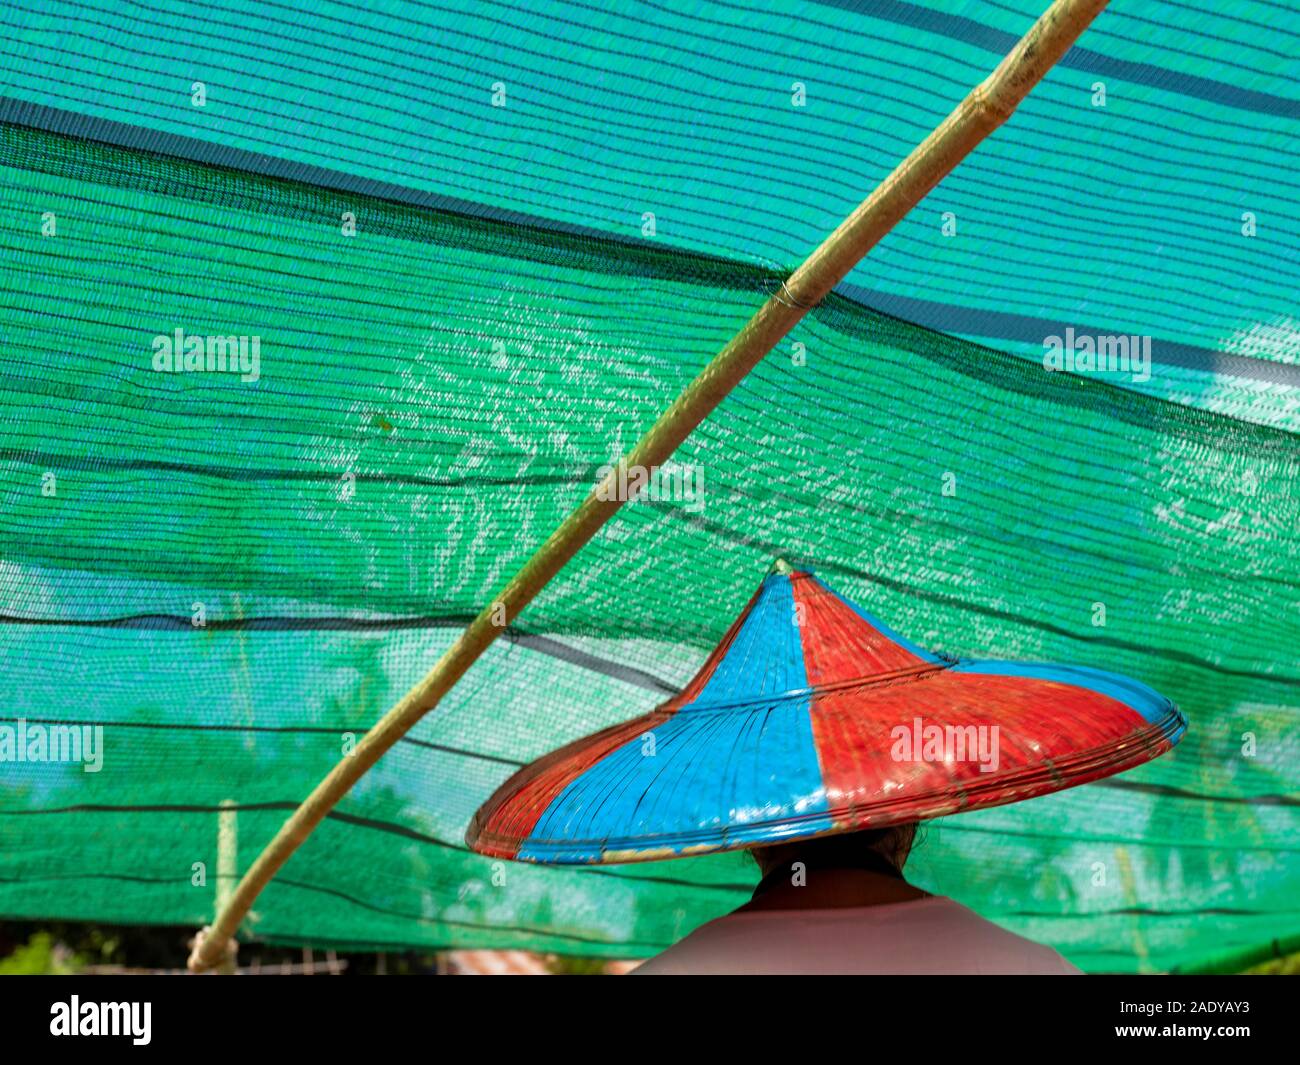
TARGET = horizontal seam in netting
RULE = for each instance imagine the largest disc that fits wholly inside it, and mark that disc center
(999, 42)
(566, 244)
(184, 624)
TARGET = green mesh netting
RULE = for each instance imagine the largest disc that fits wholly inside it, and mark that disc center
(436, 392)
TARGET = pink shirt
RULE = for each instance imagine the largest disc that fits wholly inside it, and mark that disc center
(931, 935)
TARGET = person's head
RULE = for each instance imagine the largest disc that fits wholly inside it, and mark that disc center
(865, 849)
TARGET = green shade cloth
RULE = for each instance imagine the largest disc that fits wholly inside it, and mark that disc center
(436, 392)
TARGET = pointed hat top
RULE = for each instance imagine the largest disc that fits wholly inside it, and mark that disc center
(813, 716)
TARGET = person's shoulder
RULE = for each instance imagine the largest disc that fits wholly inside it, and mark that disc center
(734, 943)
(680, 958)
(1036, 958)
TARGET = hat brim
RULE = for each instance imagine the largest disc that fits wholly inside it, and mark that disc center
(566, 808)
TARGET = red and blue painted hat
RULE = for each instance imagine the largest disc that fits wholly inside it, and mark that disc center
(813, 717)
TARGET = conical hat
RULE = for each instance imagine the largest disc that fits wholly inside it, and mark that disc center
(811, 717)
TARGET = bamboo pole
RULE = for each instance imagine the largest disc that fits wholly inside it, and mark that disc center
(987, 106)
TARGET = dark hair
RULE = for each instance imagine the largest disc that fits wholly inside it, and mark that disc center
(879, 849)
